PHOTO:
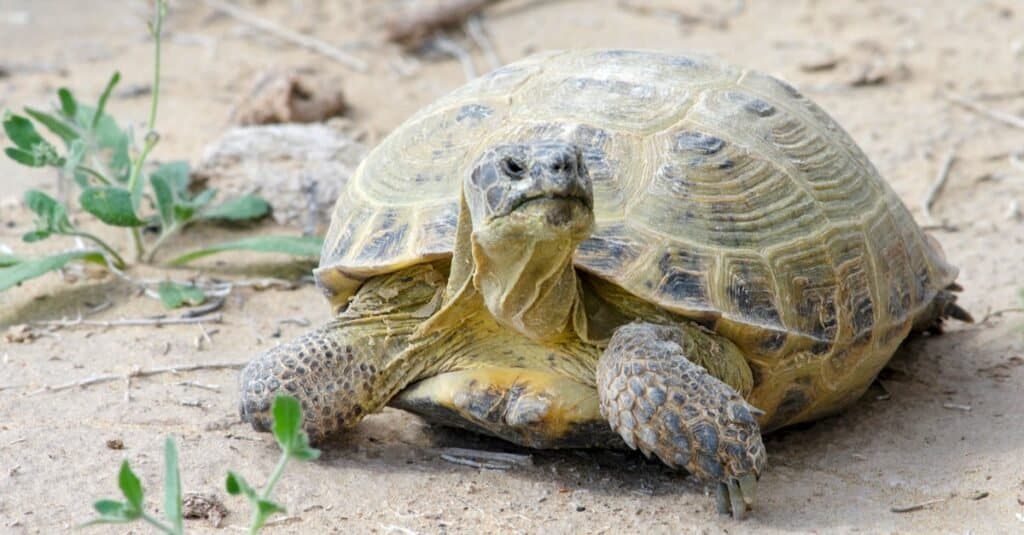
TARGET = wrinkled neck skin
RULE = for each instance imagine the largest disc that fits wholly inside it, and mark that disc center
(527, 280)
(519, 271)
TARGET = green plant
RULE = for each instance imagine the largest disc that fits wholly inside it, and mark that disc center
(287, 427)
(116, 185)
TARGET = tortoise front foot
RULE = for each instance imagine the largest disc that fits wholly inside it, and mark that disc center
(328, 373)
(662, 403)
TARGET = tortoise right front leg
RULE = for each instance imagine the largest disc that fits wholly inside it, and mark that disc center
(353, 365)
(656, 394)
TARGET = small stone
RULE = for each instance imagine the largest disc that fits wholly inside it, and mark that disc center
(579, 507)
(115, 444)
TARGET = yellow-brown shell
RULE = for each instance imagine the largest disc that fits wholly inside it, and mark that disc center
(721, 194)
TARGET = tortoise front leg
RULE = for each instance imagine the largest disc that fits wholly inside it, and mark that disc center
(660, 401)
(353, 365)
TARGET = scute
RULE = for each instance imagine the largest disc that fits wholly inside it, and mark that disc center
(719, 193)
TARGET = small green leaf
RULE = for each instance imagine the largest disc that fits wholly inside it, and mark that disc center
(287, 427)
(54, 124)
(131, 487)
(108, 141)
(22, 132)
(236, 485)
(164, 200)
(267, 507)
(68, 105)
(35, 235)
(32, 268)
(304, 246)
(245, 208)
(51, 215)
(185, 210)
(9, 260)
(176, 174)
(287, 413)
(174, 295)
(172, 486)
(24, 157)
(110, 205)
(116, 77)
(110, 508)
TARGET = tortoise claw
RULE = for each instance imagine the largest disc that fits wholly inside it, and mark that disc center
(736, 496)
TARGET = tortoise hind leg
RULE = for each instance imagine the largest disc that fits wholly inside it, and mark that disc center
(660, 401)
(943, 306)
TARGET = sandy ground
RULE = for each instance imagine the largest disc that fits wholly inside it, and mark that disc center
(883, 69)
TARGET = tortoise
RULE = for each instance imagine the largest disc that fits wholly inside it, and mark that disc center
(598, 247)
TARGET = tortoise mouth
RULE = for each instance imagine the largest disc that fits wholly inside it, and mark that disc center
(527, 200)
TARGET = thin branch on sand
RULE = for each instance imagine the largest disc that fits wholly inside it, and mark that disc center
(128, 322)
(940, 182)
(297, 38)
(995, 115)
(138, 372)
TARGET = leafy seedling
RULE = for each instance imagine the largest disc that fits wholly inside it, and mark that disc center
(132, 508)
(287, 414)
(294, 443)
(103, 161)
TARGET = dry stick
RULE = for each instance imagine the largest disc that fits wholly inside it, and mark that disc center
(486, 465)
(940, 182)
(476, 31)
(501, 457)
(916, 506)
(1002, 117)
(452, 48)
(137, 372)
(410, 28)
(131, 322)
(998, 313)
(305, 41)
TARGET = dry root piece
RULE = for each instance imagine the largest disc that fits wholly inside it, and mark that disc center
(290, 96)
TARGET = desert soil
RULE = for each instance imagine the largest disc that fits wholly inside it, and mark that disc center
(945, 430)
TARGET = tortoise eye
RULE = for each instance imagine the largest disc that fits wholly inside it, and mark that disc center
(512, 168)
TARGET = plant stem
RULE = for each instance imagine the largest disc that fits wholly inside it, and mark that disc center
(258, 519)
(137, 242)
(96, 174)
(161, 9)
(275, 475)
(119, 262)
(167, 233)
(158, 524)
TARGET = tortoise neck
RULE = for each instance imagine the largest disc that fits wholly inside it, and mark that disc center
(528, 285)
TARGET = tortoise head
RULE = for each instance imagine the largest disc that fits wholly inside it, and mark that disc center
(540, 188)
(527, 206)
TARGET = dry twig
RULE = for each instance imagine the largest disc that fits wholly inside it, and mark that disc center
(129, 322)
(485, 459)
(138, 372)
(411, 28)
(453, 49)
(916, 506)
(476, 31)
(995, 115)
(304, 41)
(940, 182)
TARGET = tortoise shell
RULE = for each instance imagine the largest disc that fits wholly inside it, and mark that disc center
(721, 194)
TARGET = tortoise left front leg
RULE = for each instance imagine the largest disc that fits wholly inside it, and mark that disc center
(661, 401)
